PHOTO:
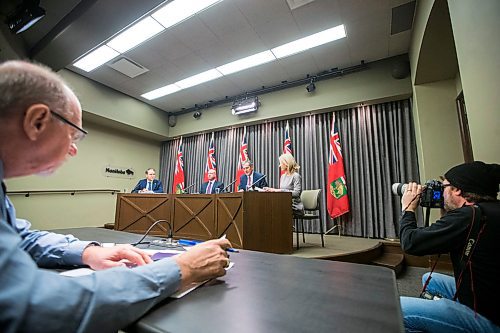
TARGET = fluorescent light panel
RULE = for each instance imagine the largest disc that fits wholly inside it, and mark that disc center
(96, 58)
(160, 92)
(180, 10)
(199, 78)
(251, 61)
(309, 42)
(282, 51)
(136, 34)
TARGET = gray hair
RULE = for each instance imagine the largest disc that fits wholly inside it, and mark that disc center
(23, 84)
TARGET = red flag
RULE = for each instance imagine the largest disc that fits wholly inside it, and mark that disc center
(211, 165)
(337, 200)
(243, 157)
(287, 145)
(178, 186)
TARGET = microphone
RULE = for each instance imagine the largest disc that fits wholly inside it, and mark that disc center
(184, 191)
(228, 186)
(255, 182)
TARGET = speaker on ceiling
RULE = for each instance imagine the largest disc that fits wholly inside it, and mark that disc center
(172, 120)
(400, 69)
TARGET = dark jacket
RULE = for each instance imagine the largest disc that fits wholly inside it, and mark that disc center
(216, 184)
(450, 234)
(256, 176)
(157, 186)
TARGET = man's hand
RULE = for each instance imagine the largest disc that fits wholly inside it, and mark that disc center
(411, 197)
(107, 257)
(204, 261)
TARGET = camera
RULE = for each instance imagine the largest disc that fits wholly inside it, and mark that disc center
(431, 196)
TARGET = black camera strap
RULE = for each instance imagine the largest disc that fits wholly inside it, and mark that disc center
(476, 229)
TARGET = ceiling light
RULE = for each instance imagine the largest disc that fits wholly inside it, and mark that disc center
(199, 78)
(308, 42)
(25, 15)
(250, 61)
(136, 34)
(160, 92)
(96, 58)
(246, 105)
(180, 10)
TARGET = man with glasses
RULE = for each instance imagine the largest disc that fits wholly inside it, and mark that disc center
(469, 230)
(149, 184)
(40, 126)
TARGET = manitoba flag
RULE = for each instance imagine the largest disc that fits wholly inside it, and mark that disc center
(178, 186)
(337, 200)
(287, 145)
(242, 158)
(211, 165)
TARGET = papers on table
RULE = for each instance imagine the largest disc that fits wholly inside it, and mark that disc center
(155, 255)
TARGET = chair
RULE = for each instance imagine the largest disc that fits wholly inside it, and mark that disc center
(312, 208)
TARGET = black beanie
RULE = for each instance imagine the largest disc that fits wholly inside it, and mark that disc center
(476, 177)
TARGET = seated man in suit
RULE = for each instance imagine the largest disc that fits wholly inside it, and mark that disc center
(212, 186)
(149, 184)
(249, 177)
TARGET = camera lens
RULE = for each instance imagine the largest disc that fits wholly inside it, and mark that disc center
(399, 188)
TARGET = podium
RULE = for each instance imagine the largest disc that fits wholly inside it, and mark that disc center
(259, 221)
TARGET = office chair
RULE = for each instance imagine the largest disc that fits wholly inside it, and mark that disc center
(312, 211)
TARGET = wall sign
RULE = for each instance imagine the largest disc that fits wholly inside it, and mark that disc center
(118, 172)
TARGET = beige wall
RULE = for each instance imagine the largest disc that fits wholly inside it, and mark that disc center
(434, 111)
(439, 136)
(475, 27)
(122, 111)
(371, 85)
(103, 146)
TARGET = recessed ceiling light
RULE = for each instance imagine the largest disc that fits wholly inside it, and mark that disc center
(136, 34)
(199, 78)
(250, 61)
(179, 10)
(96, 58)
(309, 42)
(160, 92)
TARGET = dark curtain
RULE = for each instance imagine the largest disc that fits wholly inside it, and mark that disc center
(378, 146)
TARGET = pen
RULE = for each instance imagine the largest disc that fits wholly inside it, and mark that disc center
(188, 242)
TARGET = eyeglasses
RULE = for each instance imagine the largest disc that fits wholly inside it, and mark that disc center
(77, 136)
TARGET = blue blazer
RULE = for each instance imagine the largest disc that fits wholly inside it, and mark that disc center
(217, 184)
(157, 186)
(243, 181)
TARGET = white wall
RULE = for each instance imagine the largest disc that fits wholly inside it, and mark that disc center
(103, 146)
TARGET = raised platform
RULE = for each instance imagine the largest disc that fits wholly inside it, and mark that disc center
(351, 249)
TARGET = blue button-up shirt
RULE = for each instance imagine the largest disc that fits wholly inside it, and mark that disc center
(37, 300)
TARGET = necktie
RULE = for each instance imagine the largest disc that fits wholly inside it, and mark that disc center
(209, 188)
(250, 181)
(149, 186)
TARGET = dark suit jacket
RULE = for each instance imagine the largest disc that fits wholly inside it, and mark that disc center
(157, 186)
(243, 181)
(217, 184)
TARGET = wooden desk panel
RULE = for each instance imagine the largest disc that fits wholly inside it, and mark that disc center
(193, 216)
(137, 212)
(250, 220)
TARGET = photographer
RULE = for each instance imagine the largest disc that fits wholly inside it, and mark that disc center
(470, 231)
